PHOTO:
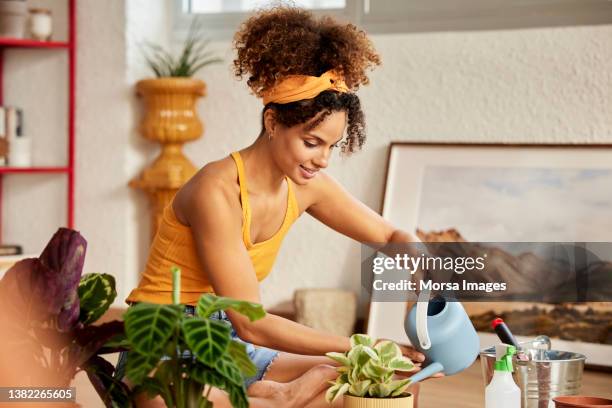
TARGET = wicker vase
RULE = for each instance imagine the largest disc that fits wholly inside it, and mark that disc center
(399, 402)
(171, 119)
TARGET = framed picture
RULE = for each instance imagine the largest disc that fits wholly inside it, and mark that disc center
(505, 193)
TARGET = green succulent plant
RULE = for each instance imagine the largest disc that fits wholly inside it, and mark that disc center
(367, 370)
(194, 55)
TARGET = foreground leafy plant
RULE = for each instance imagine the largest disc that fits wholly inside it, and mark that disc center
(46, 311)
(367, 370)
(194, 55)
(160, 336)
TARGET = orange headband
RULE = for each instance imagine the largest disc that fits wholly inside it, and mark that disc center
(298, 87)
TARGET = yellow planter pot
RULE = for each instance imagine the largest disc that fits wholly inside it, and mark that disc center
(171, 119)
(170, 109)
(357, 402)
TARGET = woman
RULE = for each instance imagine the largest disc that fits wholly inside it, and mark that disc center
(225, 226)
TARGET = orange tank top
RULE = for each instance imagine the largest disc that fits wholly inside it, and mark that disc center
(173, 244)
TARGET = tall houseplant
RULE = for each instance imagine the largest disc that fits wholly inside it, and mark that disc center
(170, 116)
(188, 355)
(47, 311)
(366, 375)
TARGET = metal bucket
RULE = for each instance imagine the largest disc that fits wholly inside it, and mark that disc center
(547, 374)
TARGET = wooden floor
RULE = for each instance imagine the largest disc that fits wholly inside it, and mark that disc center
(466, 389)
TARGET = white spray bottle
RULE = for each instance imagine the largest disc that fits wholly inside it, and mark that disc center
(502, 392)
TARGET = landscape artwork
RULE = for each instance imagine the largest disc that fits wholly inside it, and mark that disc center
(489, 205)
(496, 193)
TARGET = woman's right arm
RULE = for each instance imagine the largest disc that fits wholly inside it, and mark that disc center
(215, 217)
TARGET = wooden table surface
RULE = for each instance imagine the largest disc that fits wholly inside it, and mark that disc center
(466, 389)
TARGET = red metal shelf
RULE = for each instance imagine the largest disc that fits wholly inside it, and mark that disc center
(27, 43)
(8, 170)
(69, 168)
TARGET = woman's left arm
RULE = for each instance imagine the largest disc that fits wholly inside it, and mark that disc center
(337, 208)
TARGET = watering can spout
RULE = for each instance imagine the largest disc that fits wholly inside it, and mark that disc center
(433, 368)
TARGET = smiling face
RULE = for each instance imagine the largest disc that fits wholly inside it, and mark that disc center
(301, 152)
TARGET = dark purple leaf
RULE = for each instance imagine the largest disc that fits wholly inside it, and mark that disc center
(92, 338)
(62, 261)
(112, 391)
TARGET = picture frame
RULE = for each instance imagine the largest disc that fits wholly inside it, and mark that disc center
(439, 188)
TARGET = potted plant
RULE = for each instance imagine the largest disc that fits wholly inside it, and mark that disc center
(170, 97)
(47, 311)
(170, 115)
(366, 375)
(188, 355)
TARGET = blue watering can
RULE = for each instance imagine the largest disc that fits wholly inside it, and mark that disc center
(441, 330)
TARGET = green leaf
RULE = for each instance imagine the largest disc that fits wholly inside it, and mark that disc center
(228, 369)
(359, 389)
(398, 387)
(331, 392)
(96, 294)
(359, 355)
(379, 390)
(375, 371)
(238, 396)
(340, 358)
(191, 58)
(362, 339)
(207, 375)
(355, 374)
(340, 392)
(401, 364)
(150, 326)
(237, 352)
(209, 304)
(208, 339)
(388, 351)
(139, 366)
(371, 353)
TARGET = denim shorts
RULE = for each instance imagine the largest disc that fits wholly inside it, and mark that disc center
(260, 356)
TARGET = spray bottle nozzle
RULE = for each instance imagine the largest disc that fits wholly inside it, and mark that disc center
(503, 355)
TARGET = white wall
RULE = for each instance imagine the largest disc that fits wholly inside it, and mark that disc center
(524, 86)
(104, 125)
(549, 85)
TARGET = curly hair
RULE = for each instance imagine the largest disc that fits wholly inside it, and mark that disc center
(285, 41)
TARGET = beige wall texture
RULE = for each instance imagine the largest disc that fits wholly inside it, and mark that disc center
(544, 85)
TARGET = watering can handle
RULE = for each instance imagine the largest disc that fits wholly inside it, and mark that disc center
(421, 320)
